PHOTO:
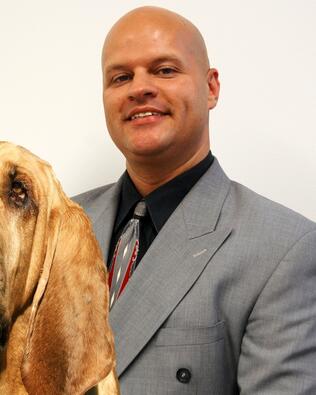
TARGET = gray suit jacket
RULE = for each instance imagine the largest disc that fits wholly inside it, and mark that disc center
(227, 292)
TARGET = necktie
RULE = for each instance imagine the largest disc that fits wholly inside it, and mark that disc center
(125, 254)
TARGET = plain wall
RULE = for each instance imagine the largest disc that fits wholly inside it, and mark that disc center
(262, 131)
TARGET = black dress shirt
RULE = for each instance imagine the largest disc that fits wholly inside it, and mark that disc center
(160, 205)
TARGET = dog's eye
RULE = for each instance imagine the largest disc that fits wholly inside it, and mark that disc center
(18, 194)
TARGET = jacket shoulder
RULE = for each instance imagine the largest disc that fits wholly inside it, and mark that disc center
(85, 199)
(273, 217)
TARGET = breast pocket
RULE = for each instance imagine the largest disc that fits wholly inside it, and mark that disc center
(190, 336)
(193, 358)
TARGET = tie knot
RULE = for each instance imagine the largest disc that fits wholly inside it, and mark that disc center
(140, 209)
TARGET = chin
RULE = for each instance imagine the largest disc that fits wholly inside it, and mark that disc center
(146, 152)
(149, 147)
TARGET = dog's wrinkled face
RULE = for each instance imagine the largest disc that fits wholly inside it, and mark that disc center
(53, 284)
(19, 199)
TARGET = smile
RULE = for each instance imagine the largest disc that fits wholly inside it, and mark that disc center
(145, 114)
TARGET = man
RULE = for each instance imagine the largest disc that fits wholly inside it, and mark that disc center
(223, 297)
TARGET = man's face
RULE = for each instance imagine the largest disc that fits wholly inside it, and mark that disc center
(156, 92)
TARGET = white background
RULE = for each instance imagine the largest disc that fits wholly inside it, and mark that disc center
(262, 131)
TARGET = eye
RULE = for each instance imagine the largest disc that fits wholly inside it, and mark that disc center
(166, 71)
(18, 194)
(120, 78)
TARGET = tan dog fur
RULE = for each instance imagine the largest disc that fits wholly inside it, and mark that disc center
(63, 346)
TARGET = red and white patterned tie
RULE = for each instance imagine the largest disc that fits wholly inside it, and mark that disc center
(125, 254)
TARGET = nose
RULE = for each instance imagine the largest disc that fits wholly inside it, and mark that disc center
(142, 87)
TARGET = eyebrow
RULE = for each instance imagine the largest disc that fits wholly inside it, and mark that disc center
(154, 62)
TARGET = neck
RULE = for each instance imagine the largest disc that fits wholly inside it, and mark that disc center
(11, 358)
(151, 175)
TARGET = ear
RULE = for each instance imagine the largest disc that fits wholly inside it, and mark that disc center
(213, 87)
(70, 347)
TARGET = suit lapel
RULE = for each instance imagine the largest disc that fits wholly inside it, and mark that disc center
(170, 267)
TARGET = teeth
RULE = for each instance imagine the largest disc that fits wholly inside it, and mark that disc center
(144, 114)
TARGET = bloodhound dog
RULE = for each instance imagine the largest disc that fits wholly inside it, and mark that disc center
(55, 337)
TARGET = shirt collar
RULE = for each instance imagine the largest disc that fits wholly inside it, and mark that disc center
(172, 192)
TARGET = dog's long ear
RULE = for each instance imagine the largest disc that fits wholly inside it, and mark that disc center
(70, 347)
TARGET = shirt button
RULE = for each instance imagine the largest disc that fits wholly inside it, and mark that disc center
(184, 375)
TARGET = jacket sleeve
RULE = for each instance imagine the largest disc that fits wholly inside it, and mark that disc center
(278, 350)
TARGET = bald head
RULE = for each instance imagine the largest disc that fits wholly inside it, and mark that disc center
(150, 19)
(158, 89)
